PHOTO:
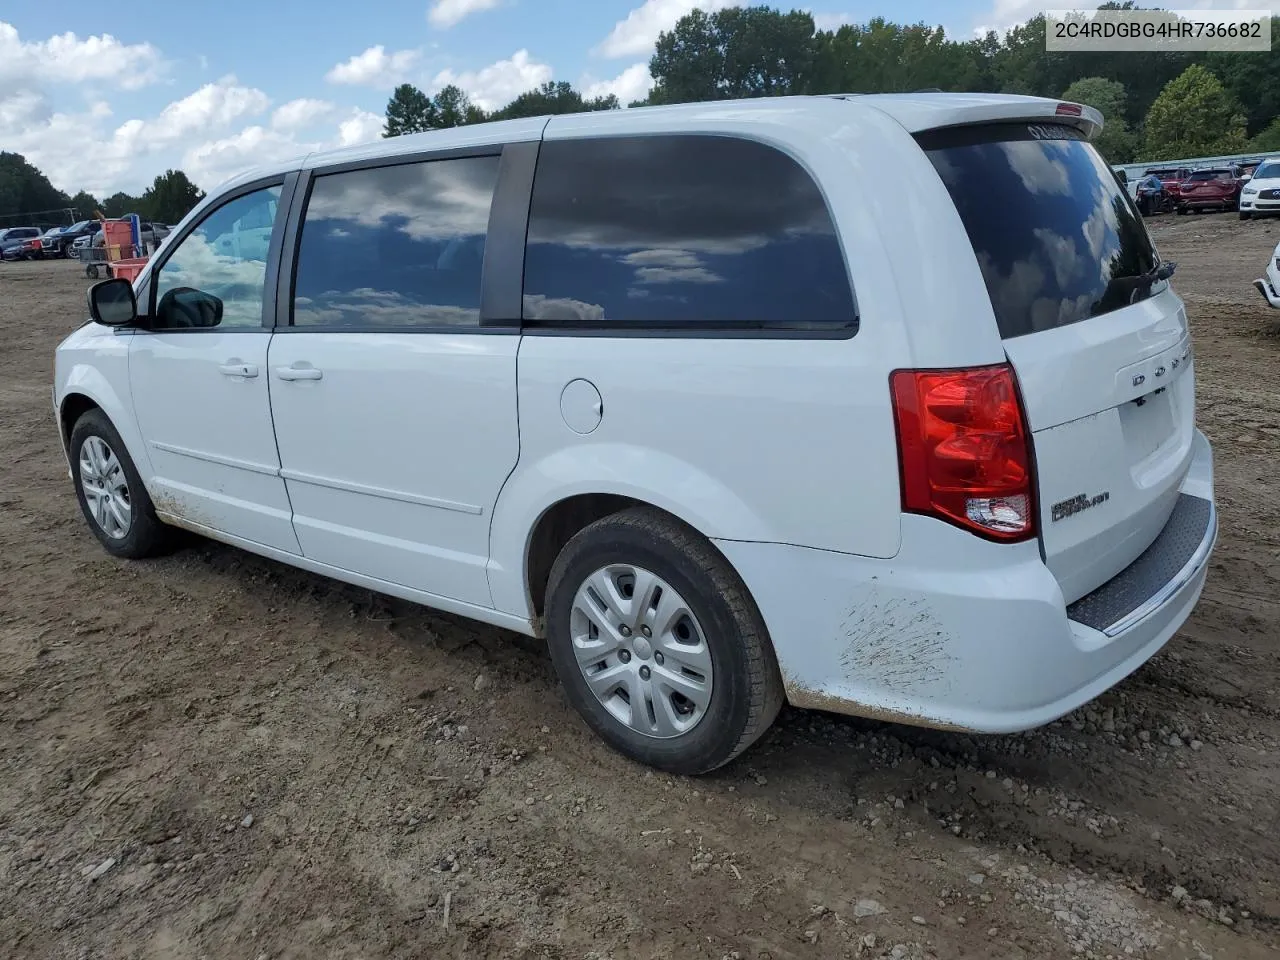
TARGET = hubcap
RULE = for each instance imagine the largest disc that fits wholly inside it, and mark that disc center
(641, 651)
(106, 489)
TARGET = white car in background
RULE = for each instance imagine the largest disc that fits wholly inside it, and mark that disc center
(1261, 193)
(1269, 286)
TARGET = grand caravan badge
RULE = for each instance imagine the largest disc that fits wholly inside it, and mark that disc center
(1077, 504)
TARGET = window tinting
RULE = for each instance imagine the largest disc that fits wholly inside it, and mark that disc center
(399, 246)
(1056, 237)
(679, 232)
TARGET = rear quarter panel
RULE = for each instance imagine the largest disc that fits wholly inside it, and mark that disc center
(762, 439)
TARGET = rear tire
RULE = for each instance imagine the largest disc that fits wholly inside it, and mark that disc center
(692, 627)
(112, 497)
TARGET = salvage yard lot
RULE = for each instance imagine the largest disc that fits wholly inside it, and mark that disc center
(213, 755)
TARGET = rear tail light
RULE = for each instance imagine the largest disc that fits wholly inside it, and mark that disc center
(964, 449)
(1068, 110)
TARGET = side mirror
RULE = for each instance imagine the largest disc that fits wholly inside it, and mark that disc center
(112, 302)
(188, 307)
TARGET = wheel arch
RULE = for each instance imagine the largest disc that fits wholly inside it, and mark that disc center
(538, 513)
(84, 388)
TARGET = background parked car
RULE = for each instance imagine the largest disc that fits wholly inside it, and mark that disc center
(1217, 188)
(1269, 284)
(1171, 177)
(50, 243)
(1261, 195)
(69, 235)
(12, 239)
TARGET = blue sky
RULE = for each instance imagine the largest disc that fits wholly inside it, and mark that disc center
(104, 96)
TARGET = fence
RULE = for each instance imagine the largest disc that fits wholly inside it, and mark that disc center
(57, 217)
(1134, 171)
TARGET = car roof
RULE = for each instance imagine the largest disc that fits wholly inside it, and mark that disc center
(914, 111)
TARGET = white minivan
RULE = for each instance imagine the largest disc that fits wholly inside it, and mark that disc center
(874, 404)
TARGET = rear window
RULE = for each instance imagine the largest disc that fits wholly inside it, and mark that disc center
(1057, 239)
(686, 233)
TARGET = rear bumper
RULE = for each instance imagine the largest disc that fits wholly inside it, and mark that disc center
(1211, 203)
(956, 632)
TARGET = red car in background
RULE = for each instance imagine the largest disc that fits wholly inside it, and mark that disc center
(1215, 189)
(1171, 177)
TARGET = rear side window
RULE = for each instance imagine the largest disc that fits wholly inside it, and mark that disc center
(681, 233)
(1056, 237)
(398, 246)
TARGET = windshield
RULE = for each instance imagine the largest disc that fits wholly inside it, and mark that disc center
(1268, 171)
(1057, 239)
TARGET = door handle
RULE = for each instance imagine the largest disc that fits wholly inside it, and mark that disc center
(234, 368)
(298, 373)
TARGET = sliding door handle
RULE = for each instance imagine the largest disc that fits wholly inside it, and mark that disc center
(298, 373)
(234, 368)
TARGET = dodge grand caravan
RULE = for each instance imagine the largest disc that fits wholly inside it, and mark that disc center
(733, 403)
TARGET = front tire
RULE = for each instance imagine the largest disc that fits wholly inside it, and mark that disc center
(658, 643)
(1244, 214)
(111, 493)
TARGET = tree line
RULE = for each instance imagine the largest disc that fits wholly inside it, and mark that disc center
(25, 191)
(1157, 105)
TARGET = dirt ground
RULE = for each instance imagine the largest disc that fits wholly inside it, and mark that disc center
(214, 755)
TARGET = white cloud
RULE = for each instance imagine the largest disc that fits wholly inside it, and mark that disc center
(1006, 14)
(637, 34)
(831, 21)
(212, 162)
(79, 151)
(633, 83)
(66, 58)
(499, 83)
(445, 13)
(304, 112)
(361, 127)
(374, 68)
(213, 106)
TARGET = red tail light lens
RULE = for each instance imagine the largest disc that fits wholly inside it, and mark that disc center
(964, 450)
(1068, 110)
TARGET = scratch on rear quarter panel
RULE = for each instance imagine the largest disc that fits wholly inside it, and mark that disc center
(894, 644)
(890, 646)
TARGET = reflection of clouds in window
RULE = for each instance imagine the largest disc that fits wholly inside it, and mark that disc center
(1061, 253)
(237, 283)
(538, 307)
(396, 246)
(679, 206)
(422, 201)
(669, 266)
(1040, 165)
(378, 308)
(677, 230)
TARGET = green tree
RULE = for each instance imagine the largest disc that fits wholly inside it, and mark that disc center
(454, 109)
(1253, 79)
(1116, 142)
(86, 205)
(552, 98)
(883, 57)
(24, 189)
(735, 52)
(119, 204)
(409, 111)
(1268, 139)
(170, 197)
(1194, 116)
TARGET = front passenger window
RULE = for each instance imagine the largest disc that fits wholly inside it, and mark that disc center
(216, 277)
